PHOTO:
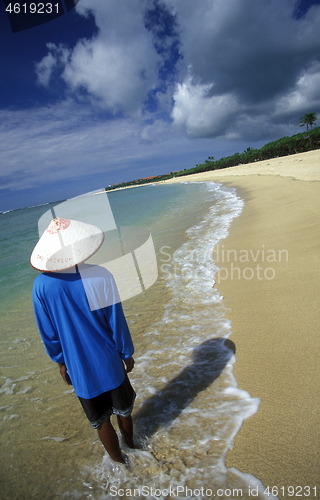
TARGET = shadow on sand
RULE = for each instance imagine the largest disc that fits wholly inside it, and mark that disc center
(209, 360)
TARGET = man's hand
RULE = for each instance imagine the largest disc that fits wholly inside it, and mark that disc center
(129, 364)
(64, 374)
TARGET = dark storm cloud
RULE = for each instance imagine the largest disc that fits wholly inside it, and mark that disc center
(255, 49)
(243, 60)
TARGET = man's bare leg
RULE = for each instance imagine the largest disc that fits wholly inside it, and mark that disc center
(109, 439)
(126, 429)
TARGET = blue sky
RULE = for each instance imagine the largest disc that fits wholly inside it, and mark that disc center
(117, 90)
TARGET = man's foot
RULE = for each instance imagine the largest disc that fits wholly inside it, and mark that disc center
(129, 443)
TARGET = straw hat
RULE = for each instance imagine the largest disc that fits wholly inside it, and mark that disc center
(64, 244)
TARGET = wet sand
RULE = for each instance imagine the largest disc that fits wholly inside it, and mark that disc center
(269, 277)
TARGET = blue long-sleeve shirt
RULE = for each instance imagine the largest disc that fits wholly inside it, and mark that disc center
(91, 343)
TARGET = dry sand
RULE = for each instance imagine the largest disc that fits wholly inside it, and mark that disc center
(274, 310)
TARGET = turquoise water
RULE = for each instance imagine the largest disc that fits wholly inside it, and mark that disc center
(149, 206)
(18, 230)
(188, 406)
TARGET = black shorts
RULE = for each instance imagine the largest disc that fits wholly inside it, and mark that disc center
(118, 401)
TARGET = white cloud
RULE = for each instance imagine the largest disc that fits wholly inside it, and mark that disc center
(200, 114)
(305, 94)
(44, 69)
(117, 76)
(57, 56)
(117, 67)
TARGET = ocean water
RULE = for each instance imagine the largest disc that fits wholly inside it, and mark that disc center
(188, 408)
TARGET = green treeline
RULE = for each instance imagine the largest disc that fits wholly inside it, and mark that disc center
(298, 143)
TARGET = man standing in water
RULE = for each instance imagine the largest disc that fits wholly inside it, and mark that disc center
(83, 327)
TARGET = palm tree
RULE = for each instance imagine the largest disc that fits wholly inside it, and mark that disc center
(308, 119)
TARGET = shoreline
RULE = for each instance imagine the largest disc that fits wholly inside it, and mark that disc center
(274, 166)
(270, 298)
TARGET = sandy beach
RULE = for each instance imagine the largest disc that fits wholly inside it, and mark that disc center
(269, 277)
